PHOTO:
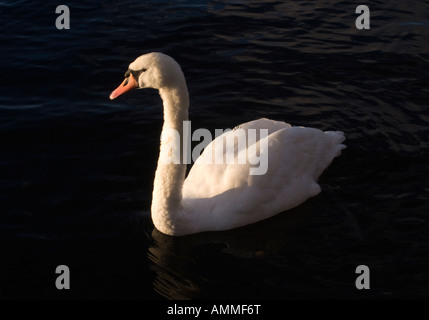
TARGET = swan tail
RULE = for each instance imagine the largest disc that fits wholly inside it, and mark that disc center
(336, 141)
(330, 149)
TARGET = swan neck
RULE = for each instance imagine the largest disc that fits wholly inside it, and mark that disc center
(176, 104)
(169, 177)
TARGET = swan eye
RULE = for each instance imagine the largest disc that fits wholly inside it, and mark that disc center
(136, 74)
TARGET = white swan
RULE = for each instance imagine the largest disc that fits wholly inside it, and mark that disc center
(225, 196)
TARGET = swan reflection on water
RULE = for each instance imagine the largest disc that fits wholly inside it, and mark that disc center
(203, 265)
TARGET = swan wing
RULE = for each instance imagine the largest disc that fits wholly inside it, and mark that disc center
(225, 196)
(212, 174)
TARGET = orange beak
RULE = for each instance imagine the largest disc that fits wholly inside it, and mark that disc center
(127, 85)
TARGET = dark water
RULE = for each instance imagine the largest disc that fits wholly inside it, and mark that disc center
(76, 170)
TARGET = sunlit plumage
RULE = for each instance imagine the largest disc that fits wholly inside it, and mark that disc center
(225, 196)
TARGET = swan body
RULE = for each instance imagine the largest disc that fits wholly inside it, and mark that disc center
(217, 197)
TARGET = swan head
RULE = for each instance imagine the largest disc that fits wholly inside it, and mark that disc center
(152, 70)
